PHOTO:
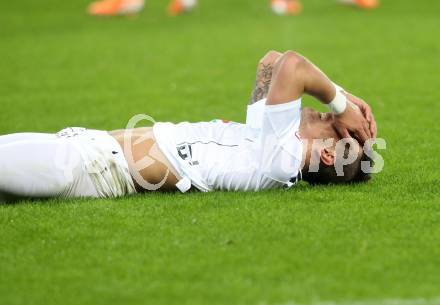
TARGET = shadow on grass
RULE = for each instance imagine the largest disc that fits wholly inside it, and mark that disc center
(301, 189)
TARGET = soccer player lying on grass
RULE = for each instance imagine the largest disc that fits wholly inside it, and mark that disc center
(279, 142)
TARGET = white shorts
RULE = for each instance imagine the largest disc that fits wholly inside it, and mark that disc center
(102, 160)
(70, 164)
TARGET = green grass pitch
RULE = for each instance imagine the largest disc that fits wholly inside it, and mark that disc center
(377, 243)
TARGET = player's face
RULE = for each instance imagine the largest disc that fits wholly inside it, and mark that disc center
(318, 125)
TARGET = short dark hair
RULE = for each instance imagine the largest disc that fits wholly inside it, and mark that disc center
(353, 172)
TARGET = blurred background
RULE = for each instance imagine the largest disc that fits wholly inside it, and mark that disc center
(68, 67)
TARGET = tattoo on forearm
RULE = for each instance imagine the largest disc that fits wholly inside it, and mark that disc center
(262, 84)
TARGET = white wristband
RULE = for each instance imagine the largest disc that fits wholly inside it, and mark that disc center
(339, 103)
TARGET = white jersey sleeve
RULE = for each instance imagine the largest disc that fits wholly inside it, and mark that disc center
(280, 145)
(254, 115)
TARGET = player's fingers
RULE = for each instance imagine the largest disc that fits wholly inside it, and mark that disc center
(372, 125)
(368, 113)
(366, 110)
(367, 130)
(343, 132)
(363, 106)
(361, 136)
(366, 127)
(373, 128)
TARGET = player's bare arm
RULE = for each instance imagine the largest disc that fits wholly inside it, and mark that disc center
(264, 76)
(290, 75)
(293, 75)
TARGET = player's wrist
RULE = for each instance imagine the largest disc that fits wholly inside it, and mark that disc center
(339, 103)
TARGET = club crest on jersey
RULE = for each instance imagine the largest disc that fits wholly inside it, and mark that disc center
(185, 152)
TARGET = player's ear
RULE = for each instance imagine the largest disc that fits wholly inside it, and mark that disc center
(327, 156)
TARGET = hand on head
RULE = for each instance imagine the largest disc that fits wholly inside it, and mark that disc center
(366, 112)
(356, 120)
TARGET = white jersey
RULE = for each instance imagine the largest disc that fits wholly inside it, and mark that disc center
(264, 153)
